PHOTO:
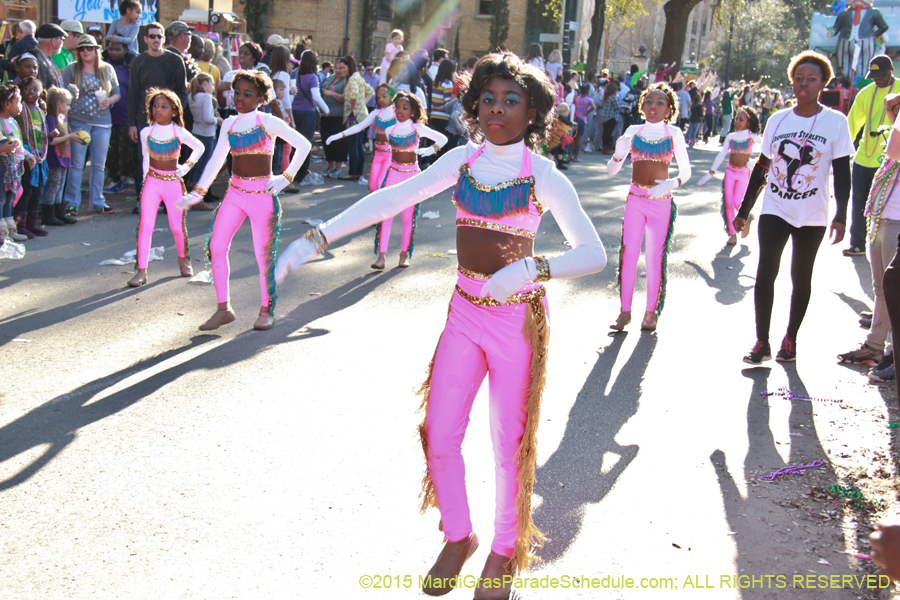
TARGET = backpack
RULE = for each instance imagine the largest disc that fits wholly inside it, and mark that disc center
(629, 102)
(454, 108)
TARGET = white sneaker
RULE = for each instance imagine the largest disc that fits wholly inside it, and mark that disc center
(362, 181)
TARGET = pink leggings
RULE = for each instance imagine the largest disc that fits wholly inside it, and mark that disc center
(657, 217)
(381, 160)
(397, 174)
(478, 340)
(154, 191)
(733, 188)
(246, 198)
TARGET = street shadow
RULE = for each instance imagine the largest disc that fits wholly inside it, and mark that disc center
(57, 421)
(589, 461)
(746, 516)
(726, 272)
(857, 306)
(864, 272)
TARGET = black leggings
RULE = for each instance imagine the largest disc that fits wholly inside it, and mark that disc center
(773, 236)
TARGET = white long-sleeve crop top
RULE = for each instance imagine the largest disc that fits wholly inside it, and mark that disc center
(654, 132)
(739, 137)
(165, 133)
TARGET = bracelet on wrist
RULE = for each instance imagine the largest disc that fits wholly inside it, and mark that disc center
(288, 176)
(711, 172)
(199, 191)
(543, 269)
(317, 238)
(617, 159)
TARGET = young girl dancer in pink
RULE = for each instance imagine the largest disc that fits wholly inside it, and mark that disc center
(382, 119)
(649, 205)
(252, 192)
(738, 147)
(403, 137)
(161, 143)
(497, 323)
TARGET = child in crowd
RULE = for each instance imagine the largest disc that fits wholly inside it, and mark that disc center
(12, 156)
(161, 148)
(32, 123)
(125, 29)
(202, 104)
(391, 50)
(281, 96)
(696, 121)
(59, 157)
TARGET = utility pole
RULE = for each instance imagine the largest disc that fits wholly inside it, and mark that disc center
(728, 57)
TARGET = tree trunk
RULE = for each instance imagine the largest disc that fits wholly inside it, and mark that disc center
(677, 13)
(597, 24)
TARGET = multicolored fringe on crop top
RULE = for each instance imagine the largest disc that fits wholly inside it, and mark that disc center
(661, 150)
(404, 143)
(509, 206)
(741, 146)
(253, 141)
(383, 125)
(166, 150)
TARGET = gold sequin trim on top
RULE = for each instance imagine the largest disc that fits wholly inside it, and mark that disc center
(472, 274)
(518, 231)
(464, 170)
(249, 152)
(647, 159)
(526, 298)
(171, 176)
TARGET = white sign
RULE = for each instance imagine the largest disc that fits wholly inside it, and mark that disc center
(102, 11)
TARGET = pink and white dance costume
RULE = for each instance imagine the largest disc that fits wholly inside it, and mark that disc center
(651, 209)
(736, 178)
(382, 119)
(164, 186)
(497, 324)
(255, 198)
(404, 137)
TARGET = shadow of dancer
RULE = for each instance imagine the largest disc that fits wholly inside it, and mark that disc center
(749, 518)
(57, 421)
(580, 463)
(726, 275)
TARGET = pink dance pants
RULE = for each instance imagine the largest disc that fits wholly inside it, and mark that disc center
(381, 160)
(733, 188)
(161, 187)
(395, 174)
(656, 216)
(246, 198)
(479, 341)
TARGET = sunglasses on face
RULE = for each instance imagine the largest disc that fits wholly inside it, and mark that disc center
(154, 36)
(86, 49)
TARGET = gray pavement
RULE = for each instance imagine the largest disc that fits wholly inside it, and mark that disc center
(141, 458)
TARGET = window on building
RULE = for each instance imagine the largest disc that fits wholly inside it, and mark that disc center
(386, 13)
(484, 8)
(384, 10)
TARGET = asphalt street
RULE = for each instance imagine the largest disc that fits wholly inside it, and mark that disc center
(142, 458)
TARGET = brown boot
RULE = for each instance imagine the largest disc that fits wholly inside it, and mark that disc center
(185, 265)
(649, 322)
(496, 579)
(448, 565)
(623, 319)
(139, 279)
(404, 260)
(265, 320)
(379, 262)
(219, 318)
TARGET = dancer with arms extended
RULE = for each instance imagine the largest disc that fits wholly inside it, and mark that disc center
(800, 146)
(161, 148)
(252, 192)
(498, 314)
(403, 139)
(738, 146)
(649, 206)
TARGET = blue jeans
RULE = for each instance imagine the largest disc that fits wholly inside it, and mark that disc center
(356, 150)
(209, 142)
(99, 147)
(692, 131)
(6, 210)
(277, 156)
(305, 120)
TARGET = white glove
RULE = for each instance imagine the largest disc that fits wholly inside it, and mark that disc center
(296, 255)
(182, 170)
(510, 278)
(704, 179)
(623, 147)
(189, 200)
(334, 138)
(276, 184)
(663, 187)
(425, 151)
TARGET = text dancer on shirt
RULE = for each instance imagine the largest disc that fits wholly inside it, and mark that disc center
(497, 323)
(649, 206)
(800, 146)
(252, 191)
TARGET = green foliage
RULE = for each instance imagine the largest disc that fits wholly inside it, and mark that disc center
(764, 40)
(542, 16)
(369, 23)
(500, 24)
(255, 12)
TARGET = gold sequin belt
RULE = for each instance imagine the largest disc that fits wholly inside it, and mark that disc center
(250, 178)
(518, 231)
(531, 297)
(731, 167)
(669, 197)
(413, 170)
(382, 147)
(170, 176)
(472, 274)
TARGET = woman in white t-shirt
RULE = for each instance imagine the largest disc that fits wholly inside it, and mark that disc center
(800, 146)
(536, 57)
(554, 65)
